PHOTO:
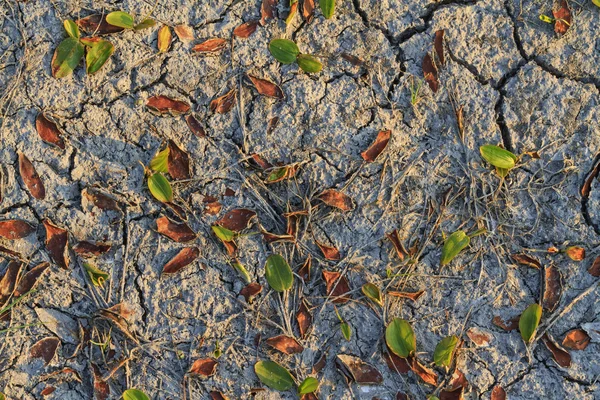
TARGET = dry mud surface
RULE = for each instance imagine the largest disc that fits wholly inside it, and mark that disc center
(520, 85)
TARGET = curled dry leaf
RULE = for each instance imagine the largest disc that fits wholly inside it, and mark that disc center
(430, 73)
(398, 246)
(28, 281)
(31, 178)
(480, 337)
(426, 374)
(56, 244)
(458, 380)
(525, 259)
(438, 44)
(552, 288)
(577, 339)
(337, 286)
(304, 318)
(562, 17)
(507, 325)
(223, 104)
(179, 232)
(195, 126)
(246, 29)
(184, 33)
(237, 219)
(377, 147)
(250, 291)
(414, 296)
(329, 252)
(337, 199)
(267, 10)
(185, 257)
(498, 393)
(266, 88)
(210, 46)
(166, 105)
(215, 395)
(101, 200)
(308, 10)
(357, 370)
(101, 388)
(9, 281)
(285, 344)
(560, 355)
(48, 131)
(178, 162)
(304, 271)
(204, 366)
(594, 270)
(89, 249)
(45, 349)
(15, 229)
(260, 161)
(96, 24)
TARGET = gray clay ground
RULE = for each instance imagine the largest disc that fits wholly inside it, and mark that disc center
(520, 84)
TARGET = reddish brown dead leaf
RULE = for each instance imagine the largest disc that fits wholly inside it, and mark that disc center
(395, 363)
(480, 337)
(272, 125)
(562, 16)
(337, 199)
(337, 286)
(246, 29)
(575, 253)
(507, 325)
(204, 366)
(166, 105)
(402, 396)
(398, 246)
(212, 208)
(560, 355)
(377, 147)
(45, 349)
(195, 126)
(210, 46)
(357, 370)
(594, 270)
(179, 232)
(552, 288)
(430, 73)
(184, 32)
(89, 249)
(214, 395)
(231, 247)
(178, 162)
(250, 291)
(96, 24)
(577, 339)
(48, 131)
(426, 374)
(309, 396)
(177, 209)
(308, 10)
(100, 200)
(304, 318)
(101, 388)
(28, 281)
(587, 185)
(185, 257)
(9, 281)
(267, 10)
(223, 104)
(498, 393)
(274, 238)
(329, 252)
(229, 192)
(260, 161)
(438, 44)
(414, 296)
(447, 394)
(525, 259)
(304, 271)
(352, 59)
(47, 391)
(31, 178)
(237, 219)
(266, 87)
(320, 364)
(458, 381)
(285, 344)
(56, 244)
(15, 229)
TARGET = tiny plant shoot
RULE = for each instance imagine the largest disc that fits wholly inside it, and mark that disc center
(287, 52)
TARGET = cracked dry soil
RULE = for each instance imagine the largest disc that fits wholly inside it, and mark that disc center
(520, 85)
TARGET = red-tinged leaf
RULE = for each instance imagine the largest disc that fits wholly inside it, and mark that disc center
(337, 199)
(562, 17)
(101, 388)
(166, 105)
(396, 363)
(552, 288)
(260, 161)
(337, 286)
(56, 244)
(250, 291)
(214, 395)
(414, 296)
(229, 192)
(272, 125)
(309, 396)
(48, 131)
(223, 104)
(237, 219)
(96, 24)
(329, 252)
(480, 337)
(304, 271)
(246, 29)
(204, 366)
(438, 44)
(398, 246)
(560, 355)
(577, 339)
(31, 178)
(185, 257)
(507, 325)
(308, 10)
(447, 394)
(498, 393)
(184, 33)
(210, 46)
(9, 281)
(430, 73)
(212, 208)
(195, 126)
(575, 253)
(304, 319)
(594, 270)
(525, 259)
(267, 10)
(15, 229)
(28, 281)
(47, 391)
(231, 248)
(285, 344)
(45, 349)
(101, 200)
(178, 162)
(357, 370)
(274, 238)
(458, 381)
(89, 249)
(587, 185)
(266, 88)
(377, 147)
(427, 375)
(179, 232)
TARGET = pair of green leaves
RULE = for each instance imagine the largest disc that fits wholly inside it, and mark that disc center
(529, 321)
(286, 52)
(157, 183)
(500, 158)
(277, 377)
(344, 326)
(444, 351)
(401, 338)
(135, 394)
(278, 273)
(455, 243)
(125, 20)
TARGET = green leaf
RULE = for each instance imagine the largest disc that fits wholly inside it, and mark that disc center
(529, 321)
(309, 64)
(346, 330)
(239, 267)
(223, 234)
(274, 375)
(497, 156)
(160, 188)
(596, 2)
(97, 276)
(284, 50)
(453, 245)
(120, 19)
(97, 55)
(327, 8)
(2, 397)
(444, 351)
(160, 162)
(134, 394)
(66, 57)
(147, 23)
(71, 28)
(308, 385)
(546, 19)
(400, 338)
(373, 293)
(432, 397)
(278, 273)
(277, 175)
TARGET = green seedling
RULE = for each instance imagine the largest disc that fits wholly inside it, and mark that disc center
(274, 375)
(344, 326)
(500, 158)
(287, 52)
(103, 345)
(125, 20)
(547, 19)
(373, 293)
(415, 90)
(529, 321)
(278, 273)
(160, 187)
(135, 394)
(217, 353)
(455, 243)
(401, 338)
(444, 351)
(308, 385)
(97, 276)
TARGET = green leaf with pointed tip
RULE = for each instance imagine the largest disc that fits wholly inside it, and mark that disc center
(135, 394)
(284, 50)
(444, 351)
(71, 28)
(66, 57)
(147, 23)
(277, 175)
(160, 162)
(97, 55)
(2, 397)
(278, 273)
(97, 276)
(239, 267)
(120, 19)
(309, 64)
(529, 321)
(497, 156)
(596, 2)
(373, 293)
(346, 330)
(502, 172)
(432, 397)
(160, 188)
(274, 375)
(223, 234)
(308, 385)
(453, 245)
(327, 8)
(400, 338)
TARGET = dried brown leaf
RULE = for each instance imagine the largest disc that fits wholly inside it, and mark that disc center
(304, 318)
(308, 10)
(426, 374)
(96, 24)
(562, 16)
(357, 370)
(210, 45)
(304, 271)
(9, 281)
(560, 355)
(185, 257)
(329, 252)
(395, 363)
(89, 249)
(285, 344)
(31, 178)
(430, 73)
(166, 105)
(480, 337)
(56, 244)
(28, 281)
(552, 288)
(267, 10)
(250, 291)
(204, 366)
(266, 87)
(45, 349)
(101, 388)
(414, 296)
(237, 219)
(357, 62)
(15, 229)
(587, 185)
(119, 315)
(528, 260)
(213, 208)
(179, 232)
(223, 104)
(48, 131)
(47, 391)
(337, 286)
(438, 44)
(507, 325)
(184, 32)
(377, 147)
(214, 395)
(594, 270)
(576, 339)
(195, 126)
(398, 246)
(101, 200)
(246, 29)
(337, 199)
(178, 162)
(498, 393)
